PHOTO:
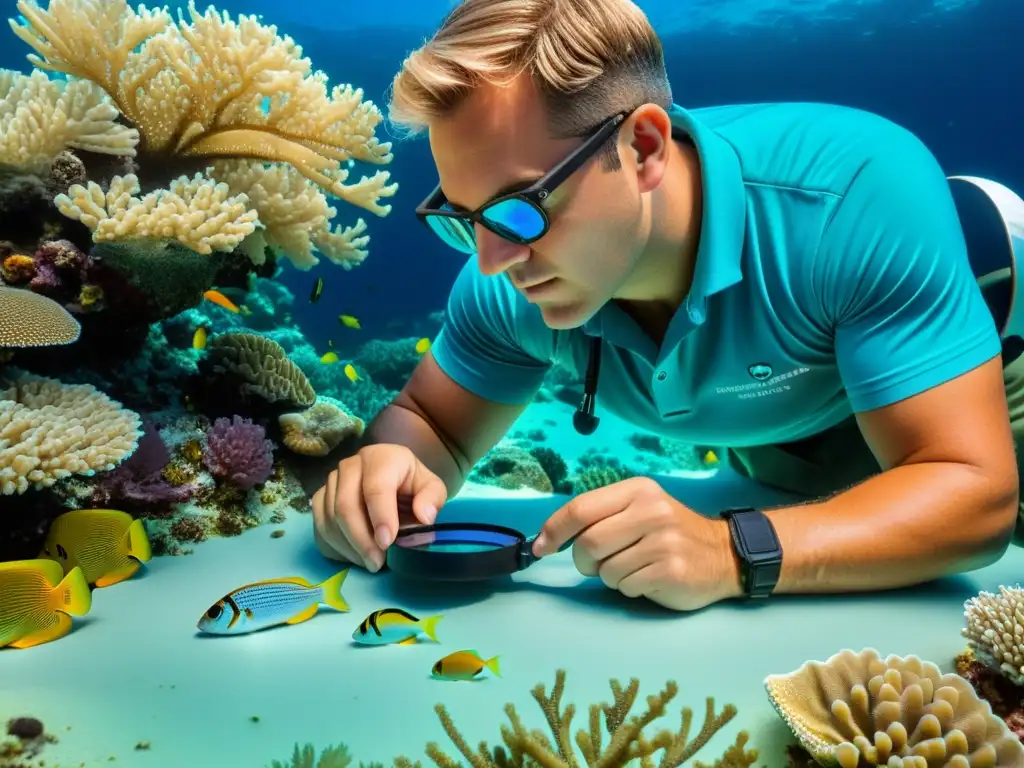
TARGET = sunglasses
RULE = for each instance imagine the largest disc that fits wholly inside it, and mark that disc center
(519, 216)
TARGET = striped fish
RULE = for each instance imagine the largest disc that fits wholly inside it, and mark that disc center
(264, 604)
(393, 625)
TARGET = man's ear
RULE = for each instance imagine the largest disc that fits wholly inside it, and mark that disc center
(649, 133)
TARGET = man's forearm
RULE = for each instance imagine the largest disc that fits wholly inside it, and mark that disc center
(905, 526)
(400, 426)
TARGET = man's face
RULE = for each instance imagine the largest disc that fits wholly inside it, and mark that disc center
(499, 137)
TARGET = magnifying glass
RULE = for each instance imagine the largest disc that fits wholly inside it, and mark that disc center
(461, 551)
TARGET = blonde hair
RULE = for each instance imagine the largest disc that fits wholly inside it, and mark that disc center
(588, 58)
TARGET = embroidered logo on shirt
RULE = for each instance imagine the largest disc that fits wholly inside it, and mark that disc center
(760, 371)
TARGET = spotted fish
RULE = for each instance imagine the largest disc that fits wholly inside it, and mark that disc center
(264, 604)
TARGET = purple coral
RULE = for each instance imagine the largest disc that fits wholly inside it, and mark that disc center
(139, 479)
(238, 452)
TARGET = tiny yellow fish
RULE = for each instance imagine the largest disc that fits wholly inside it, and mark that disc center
(422, 346)
(393, 625)
(350, 372)
(199, 338)
(710, 458)
(349, 321)
(318, 289)
(264, 604)
(464, 665)
(221, 300)
(329, 357)
(37, 602)
(106, 544)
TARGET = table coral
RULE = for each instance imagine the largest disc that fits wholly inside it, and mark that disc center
(627, 740)
(212, 88)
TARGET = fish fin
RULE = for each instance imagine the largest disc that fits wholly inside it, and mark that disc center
(307, 613)
(283, 580)
(408, 641)
(429, 626)
(492, 664)
(60, 627)
(138, 542)
(49, 568)
(332, 591)
(117, 575)
(72, 595)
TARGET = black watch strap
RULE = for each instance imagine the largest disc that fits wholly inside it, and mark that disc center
(758, 549)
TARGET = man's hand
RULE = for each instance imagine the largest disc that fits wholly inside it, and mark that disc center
(641, 541)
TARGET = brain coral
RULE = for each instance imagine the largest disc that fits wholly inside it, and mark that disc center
(30, 320)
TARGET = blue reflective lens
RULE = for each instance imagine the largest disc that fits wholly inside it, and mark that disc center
(458, 233)
(457, 540)
(514, 218)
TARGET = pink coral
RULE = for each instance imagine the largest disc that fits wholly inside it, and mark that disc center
(238, 452)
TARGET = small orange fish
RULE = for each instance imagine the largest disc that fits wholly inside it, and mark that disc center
(464, 665)
(422, 346)
(221, 300)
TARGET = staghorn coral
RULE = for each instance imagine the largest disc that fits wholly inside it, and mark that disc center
(995, 631)
(216, 88)
(238, 452)
(857, 709)
(627, 740)
(319, 429)
(50, 431)
(30, 320)
(41, 116)
(261, 368)
(305, 757)
(198, 213)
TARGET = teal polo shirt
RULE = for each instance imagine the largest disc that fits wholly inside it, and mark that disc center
(831, 278)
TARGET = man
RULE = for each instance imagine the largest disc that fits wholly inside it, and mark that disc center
(789, 280)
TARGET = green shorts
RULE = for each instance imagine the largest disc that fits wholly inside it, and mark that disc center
(839, 458)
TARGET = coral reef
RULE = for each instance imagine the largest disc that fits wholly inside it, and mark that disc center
(319, 429)
(27, 737)
(1005, 697)
(305, 757)
(627, 740)
(257, 367)
(857, 709)
(30, 320)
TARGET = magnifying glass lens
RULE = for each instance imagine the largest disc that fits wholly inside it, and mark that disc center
(456, 540)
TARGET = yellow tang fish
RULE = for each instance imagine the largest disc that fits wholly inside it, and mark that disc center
(422, 346)
(106, 544)
(329, 357)
(264, 604)
(199, 338)
(350, 372)
(464, 665)
(349, 321)
(221, 300)
(710, 458)
(37, 602)
(393, 625)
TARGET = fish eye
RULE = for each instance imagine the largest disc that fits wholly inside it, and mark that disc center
(214, 612)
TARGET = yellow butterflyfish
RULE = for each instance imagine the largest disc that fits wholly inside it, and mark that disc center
(329, 357)
(199, 338)
(422, 346)
(37, 601)
(108, 545)
(350, 372)
(349, 321)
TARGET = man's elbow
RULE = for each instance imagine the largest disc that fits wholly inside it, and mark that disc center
(996, 521)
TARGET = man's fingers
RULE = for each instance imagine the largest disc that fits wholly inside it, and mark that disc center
(352, 517)
(429, 494)
(580, 513)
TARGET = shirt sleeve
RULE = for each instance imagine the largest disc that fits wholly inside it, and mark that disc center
(483, 343)
(895, 282)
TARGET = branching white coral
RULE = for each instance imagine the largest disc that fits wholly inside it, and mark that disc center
(197, 212)
(214, 87)
(995, 631)
(40, 117)
(50, 431)
(294, 214)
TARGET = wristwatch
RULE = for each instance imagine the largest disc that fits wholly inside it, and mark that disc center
(758, 548)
